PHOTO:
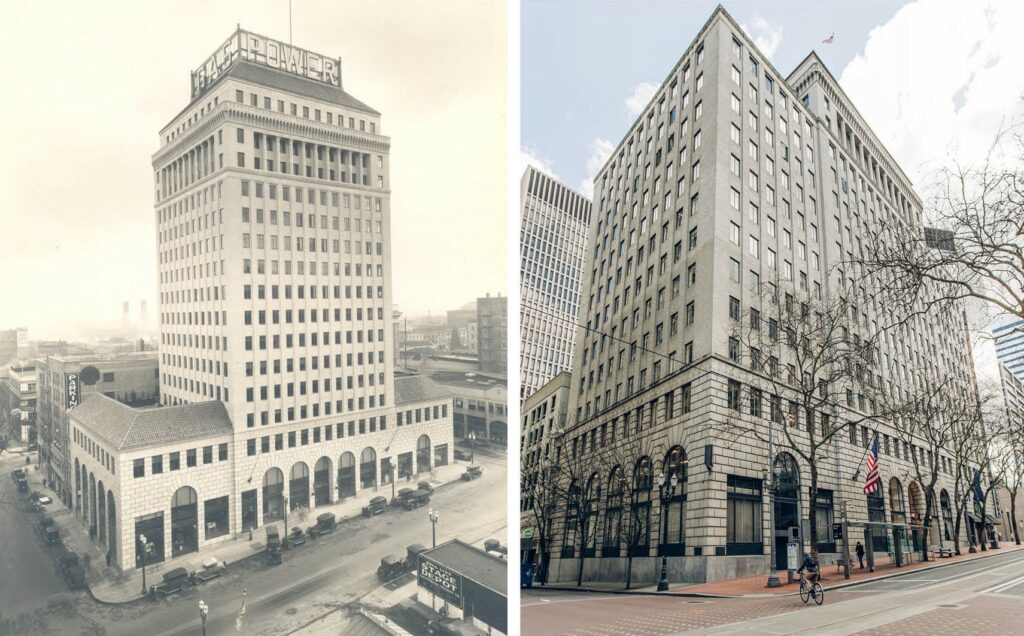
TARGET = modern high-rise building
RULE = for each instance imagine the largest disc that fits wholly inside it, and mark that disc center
(552, 245)
(492, 333)
(735, 180)
(272, 208)
(1009, 335)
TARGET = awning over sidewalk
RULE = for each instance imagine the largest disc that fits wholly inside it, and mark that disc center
(990, 520)
(973, 517)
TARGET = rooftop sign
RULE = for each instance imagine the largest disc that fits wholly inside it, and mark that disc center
(261, 50)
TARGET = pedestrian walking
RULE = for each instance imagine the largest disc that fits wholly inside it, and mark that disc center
(860, 554)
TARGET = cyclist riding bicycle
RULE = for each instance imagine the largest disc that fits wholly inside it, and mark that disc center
(811, 566)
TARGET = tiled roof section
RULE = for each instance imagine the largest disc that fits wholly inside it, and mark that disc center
(419, 388)
(128, 428)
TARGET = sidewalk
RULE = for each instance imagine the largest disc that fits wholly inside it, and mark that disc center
(109, 586)
(754, 586)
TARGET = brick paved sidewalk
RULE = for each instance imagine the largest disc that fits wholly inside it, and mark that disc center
(107, 585)
(755, 586)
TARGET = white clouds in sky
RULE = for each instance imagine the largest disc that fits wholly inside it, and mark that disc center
(935, 83)
(642, 94)
(597, 155)
(530, 156)
(766, 36)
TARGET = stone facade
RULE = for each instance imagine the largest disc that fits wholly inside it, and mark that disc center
(735, 179)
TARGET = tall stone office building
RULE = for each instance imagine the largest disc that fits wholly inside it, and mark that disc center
(735, 177)
(552, 244)
(272, 208)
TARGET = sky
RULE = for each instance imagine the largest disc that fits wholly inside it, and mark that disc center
(933, 79)
(88, 85)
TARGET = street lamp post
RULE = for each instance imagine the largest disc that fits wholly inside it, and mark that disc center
(204, 609)
(472, 446)
(434, 516)
(285, 499)
(667, 490)
(145, 549)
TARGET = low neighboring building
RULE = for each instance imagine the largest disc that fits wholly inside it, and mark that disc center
(131, 378)
(184, 478)
(492, 334)
(19, 389)
(481, 403)
(543, 421)
(472, 583)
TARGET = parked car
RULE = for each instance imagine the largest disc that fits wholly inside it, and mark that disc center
(17, 474)
(43, 524)
(173, 582)
(326, 522)
(273, 545)
(41, 502)
(71, 569)
(212, 568)
(461, 455)
(425, 485)
(390, 568)
(403, 494)
(417, 499)
(375, 506)
(22, 485)
(51, 535)
(297, 536)
(412, 553)
(471, 473)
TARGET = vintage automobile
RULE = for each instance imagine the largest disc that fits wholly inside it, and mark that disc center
(391, 567)
(17, 474)
(71, 569)
(403, 494)
(22, 485)
(43, 524)
(173, 582)
(376, 506)
(412, 553)
(471, 473)
(51, 535)
(425, 485)
(326, 522)
(417, 499)
(273, 545)
(462, 455)
(212, 568)
(296, 536)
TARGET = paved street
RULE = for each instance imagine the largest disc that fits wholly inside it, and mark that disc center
(314, 579)
(21, 550)
(985, 595)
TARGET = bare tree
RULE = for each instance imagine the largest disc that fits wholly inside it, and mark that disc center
(578, 473)
(815, 355)
(974, 247)
(542, 493)
(927, 417)
(631, 488)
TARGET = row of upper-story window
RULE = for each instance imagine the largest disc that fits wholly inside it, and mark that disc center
(312, 387)
(261, 342)
(95, 450)
(289, 414)
(315, 114)
(261, 291)
(192, 455)
(258, 163)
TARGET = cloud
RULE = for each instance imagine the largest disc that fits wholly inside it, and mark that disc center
(529, 156)
(636, 102)
(597, 155)
(935, 83)
(766, 36)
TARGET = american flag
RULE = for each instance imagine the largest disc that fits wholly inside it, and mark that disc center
(871, 484)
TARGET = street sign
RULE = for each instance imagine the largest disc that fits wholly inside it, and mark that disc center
(792, 558)
(837, 531)
(527, 534)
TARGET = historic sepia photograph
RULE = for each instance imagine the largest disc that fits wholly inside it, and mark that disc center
(253, 343)
(772, 317)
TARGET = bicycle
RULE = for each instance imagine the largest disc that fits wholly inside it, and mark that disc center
(811, 590)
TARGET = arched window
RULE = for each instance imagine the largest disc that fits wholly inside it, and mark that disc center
(570, 535)
(613, 513)
(591, 501)
(639, 523)
(673, 488)
(273, 495)
(896, 506)
(947, 515)
(368, 468)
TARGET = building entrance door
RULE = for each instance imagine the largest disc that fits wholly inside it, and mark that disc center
(250, 520)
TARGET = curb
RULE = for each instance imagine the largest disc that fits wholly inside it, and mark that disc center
(140, 597)
(838, 586)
